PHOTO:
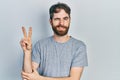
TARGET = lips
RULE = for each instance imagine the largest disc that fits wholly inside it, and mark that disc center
(61, 28)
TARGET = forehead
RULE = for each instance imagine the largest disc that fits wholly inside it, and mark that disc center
(60, 14)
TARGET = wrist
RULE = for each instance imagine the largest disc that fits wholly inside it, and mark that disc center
(27, 52)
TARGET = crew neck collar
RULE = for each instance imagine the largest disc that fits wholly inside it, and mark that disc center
(52, 37)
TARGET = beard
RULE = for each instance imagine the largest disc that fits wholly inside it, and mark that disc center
(60, 32)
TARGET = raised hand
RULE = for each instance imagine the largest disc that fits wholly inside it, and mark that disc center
(26, 42)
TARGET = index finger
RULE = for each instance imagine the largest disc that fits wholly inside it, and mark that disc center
(24, 32)
(30, 32)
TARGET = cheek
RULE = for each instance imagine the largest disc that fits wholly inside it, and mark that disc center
(67, 23)
(55, 23)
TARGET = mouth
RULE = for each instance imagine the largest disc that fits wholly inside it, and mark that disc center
(61, 28)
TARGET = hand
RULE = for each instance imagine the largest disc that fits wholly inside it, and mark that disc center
(31, 76)
(26, 42)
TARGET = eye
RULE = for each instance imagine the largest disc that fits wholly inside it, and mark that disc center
(56, 19)
(66, 18)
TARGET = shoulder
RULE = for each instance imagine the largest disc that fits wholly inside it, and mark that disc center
(78, 43)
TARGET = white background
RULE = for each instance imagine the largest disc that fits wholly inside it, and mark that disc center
(96, 22)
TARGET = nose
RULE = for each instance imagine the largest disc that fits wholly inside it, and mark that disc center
(61, 22)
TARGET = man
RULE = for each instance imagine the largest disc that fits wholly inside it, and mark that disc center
(58, 57)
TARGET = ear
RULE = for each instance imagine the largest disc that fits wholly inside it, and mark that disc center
(50, 20)
(70, 19)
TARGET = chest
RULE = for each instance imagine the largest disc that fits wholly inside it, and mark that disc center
(57, 54)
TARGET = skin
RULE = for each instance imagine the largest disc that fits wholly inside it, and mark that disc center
(26, 44)
(29, 68)
(60, 23)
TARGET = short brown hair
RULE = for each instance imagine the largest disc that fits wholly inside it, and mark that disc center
(56, 8)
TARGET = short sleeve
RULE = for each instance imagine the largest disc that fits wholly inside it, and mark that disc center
(80, 56)
(36, 53)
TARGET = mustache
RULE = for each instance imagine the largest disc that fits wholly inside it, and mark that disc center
(61, 26)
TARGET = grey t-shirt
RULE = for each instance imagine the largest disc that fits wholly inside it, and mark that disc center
(56, 59)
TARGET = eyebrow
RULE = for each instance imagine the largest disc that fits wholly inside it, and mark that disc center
(63, 17)
(66, 17)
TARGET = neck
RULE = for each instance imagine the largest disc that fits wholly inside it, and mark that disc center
(61, 39)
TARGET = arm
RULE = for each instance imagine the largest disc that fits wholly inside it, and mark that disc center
(26, 45)
(75, 74)
(27, 64)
